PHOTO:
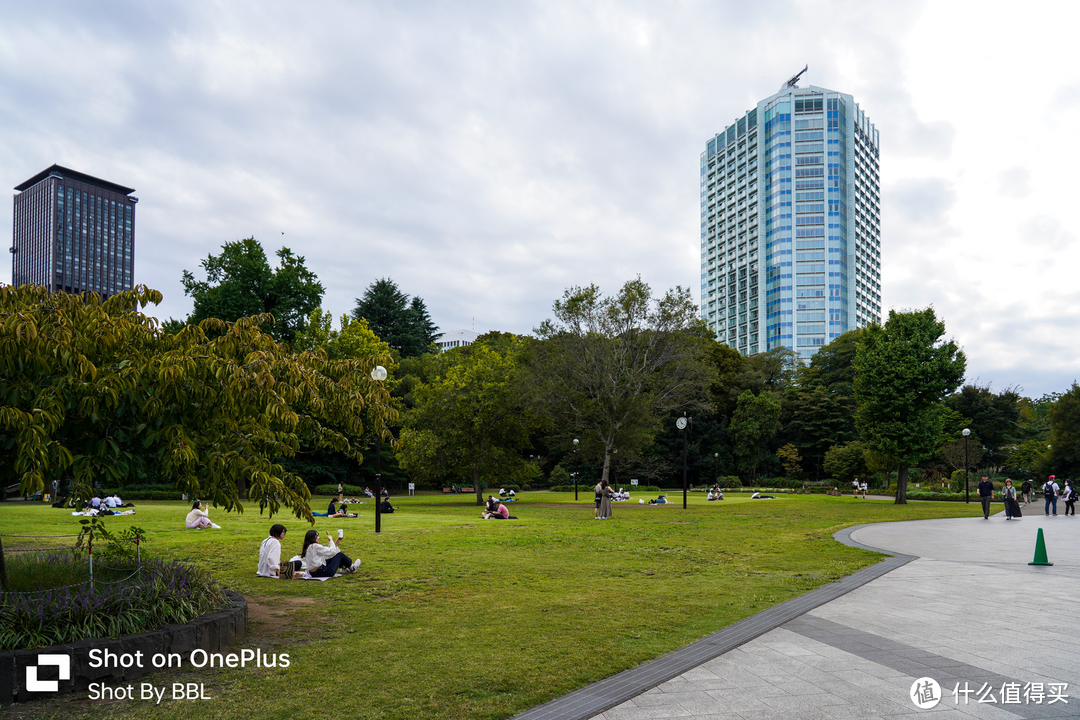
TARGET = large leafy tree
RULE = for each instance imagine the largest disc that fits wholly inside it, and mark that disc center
(610, 367)
(1065, 433)
(992, 417)
(903, 370)
(820, 405)
(95, 391)
(754, 424)
(471, 419)
(401, 322)
(240, 283)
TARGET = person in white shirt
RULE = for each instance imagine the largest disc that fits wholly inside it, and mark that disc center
(270, 553)
(325, 560)
(198, 518)
(111, 501)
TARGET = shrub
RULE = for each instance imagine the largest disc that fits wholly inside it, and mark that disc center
(160, 593)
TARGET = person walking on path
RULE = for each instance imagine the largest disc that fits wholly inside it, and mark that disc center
(1051, 490)
(605, 500)
(1008, 494)
(1025, 490)
(986, 494)
(1070, 498)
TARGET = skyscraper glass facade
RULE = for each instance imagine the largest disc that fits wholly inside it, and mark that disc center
(790, 223)
(74, 233)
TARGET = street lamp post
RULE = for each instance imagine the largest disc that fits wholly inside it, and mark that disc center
(378, 375)
(575, 463)
(967, 494)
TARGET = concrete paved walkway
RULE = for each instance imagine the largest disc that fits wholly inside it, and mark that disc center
(958, 604)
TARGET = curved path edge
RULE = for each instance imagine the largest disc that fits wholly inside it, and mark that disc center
(609, 692)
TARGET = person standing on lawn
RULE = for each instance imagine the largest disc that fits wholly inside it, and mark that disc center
(986, 494)
(605, 500)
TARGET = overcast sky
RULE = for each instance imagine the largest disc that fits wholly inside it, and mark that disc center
(488, 155)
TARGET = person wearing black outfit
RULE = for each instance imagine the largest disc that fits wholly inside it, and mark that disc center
(1070, 498)
(1025, 490)
(385, 507)
(986, 493)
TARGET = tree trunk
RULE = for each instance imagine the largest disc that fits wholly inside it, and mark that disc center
(607, 464)
(476, 485)
(901, 484)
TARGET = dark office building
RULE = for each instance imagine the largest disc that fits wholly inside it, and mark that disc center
(74, 233)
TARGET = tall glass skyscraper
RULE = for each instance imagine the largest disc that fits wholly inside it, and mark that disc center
(74, 233)
(790, 223)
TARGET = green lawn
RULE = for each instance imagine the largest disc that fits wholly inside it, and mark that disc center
(451, 616)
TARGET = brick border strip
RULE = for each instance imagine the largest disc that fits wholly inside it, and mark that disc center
(213, 632)
(603, 695)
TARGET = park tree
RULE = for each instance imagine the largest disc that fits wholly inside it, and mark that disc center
(1065, 433)
(470, 420)
(94, 391)
(993, 417)
(819, 407)
(753, 426)
(240, 283)
(790, 460)
(401, 322)
(846, 462)
(903, 370)
(610, 367)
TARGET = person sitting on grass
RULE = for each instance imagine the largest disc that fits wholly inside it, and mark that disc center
(495, 510)
(270, 564)
(368, 493)
(662, 500)
(325, 560)
(199, 518)
(385, 507)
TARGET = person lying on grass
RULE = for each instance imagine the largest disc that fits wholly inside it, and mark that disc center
(325, 560)
(199, 518)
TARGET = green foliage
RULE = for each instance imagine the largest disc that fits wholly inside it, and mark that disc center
(403, 324)
(92, 391)
(560, 476)
(470, 420)
(992, 417)
(1030, 459)
(846, 462)
(1065, 434)
(820, 406)
(159, 593)
(755, 422)
(240, 283)
(608, 368)
(902, 371)
(789, 458)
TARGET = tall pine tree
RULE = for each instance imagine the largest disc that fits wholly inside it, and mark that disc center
(402, 324)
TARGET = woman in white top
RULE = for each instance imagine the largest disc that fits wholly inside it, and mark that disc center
(325, 560)
(270, 553)
(198, 518)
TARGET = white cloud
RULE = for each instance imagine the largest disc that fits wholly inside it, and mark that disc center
(488, 155)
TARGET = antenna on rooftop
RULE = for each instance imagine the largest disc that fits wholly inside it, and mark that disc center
(793, 82)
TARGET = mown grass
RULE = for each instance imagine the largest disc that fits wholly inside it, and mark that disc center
(451, 616)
